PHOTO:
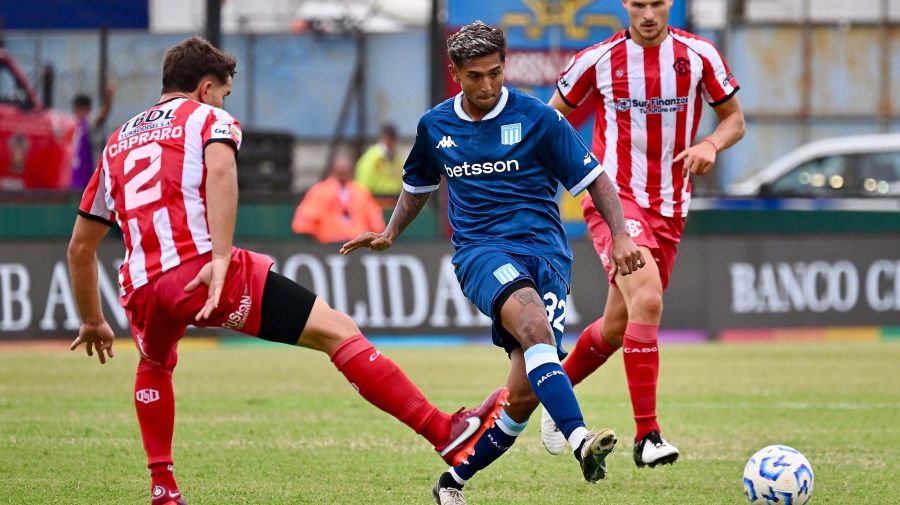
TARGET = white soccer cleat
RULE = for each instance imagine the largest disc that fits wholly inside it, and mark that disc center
(447, 495)
(553, 439)
(653, 450)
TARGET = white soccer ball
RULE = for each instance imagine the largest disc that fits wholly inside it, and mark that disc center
(778, 475)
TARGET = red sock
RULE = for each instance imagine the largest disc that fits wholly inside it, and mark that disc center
(641, 369)
(590, 352)
(380, 381)
(154, 400)
(164, 485)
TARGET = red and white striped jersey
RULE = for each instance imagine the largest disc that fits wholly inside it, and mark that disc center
(648, 109)
(151, 180)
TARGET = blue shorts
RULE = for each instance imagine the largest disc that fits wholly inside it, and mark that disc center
(487, 275)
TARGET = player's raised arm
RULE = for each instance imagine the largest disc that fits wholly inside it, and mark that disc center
(408, 207)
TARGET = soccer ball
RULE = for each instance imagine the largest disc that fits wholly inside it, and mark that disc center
(780, 475)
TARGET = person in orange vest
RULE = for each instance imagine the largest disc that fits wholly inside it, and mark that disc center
(337, 208)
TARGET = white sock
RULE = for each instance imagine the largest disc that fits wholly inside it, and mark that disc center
(577, 436)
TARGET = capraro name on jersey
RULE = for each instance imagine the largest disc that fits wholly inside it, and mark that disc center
(483, 168)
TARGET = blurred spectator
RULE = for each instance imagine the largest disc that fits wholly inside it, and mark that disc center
(89, 136)
(379, 168)
(337, 208)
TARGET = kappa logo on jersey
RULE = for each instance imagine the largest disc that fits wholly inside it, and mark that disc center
(446, 142)
(559, 115)
(511, 134)
(587, 158)
(633, 227)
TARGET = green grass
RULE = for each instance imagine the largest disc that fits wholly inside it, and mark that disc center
(275, 425)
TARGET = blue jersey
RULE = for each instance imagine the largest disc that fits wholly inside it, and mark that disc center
(503, 173)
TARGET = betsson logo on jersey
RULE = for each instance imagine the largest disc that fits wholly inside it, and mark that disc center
(483, 168)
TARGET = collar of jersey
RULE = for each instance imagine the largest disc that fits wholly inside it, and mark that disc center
(457, 106)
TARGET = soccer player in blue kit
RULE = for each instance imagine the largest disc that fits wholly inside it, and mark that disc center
(503, 154)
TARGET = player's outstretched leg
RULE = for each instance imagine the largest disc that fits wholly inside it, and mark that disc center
(523, 317)
(600, 340)
(490, 446)
(154, 401)
(375, 376)
(590, 352)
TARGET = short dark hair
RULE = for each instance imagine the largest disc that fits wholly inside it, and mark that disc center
(474, 41)
(186, 64)
(81, 100)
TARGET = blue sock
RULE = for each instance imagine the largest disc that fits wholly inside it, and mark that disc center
(553, 388)
(492, 444)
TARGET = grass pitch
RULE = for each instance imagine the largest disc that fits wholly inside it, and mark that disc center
(276, 425)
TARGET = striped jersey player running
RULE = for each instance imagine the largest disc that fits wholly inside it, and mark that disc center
(648, 83)
(168, 178)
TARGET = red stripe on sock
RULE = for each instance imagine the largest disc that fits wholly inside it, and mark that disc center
(383, 384)
(641, 356)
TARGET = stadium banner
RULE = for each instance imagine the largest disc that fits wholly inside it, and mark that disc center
(719, 283)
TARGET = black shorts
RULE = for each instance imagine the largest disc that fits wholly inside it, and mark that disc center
(286, 307)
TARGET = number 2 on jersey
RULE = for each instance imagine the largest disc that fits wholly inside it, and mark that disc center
(134, 196)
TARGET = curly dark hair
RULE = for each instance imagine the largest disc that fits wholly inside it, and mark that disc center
(474, 41)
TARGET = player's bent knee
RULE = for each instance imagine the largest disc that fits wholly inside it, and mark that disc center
(327, 328)
(534, 329)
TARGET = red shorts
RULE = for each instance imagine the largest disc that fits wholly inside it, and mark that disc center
(159, 312)
(647, 228)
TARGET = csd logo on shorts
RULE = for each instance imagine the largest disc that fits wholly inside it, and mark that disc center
(633, 227)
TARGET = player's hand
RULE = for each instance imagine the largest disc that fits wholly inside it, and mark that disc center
(211, 275)
(698, 159)
(374, 241)
(97, 337)
(626, 257)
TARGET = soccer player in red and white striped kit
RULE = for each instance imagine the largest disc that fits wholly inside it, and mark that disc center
(168, 177)
(648, 83)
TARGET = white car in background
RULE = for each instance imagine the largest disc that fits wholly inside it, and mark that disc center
(844, 167)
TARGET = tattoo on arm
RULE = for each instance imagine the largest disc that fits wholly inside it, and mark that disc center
(528, 296)
(606, 199)
(408, 207)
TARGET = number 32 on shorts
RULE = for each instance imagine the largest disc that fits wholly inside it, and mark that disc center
(554, 303)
